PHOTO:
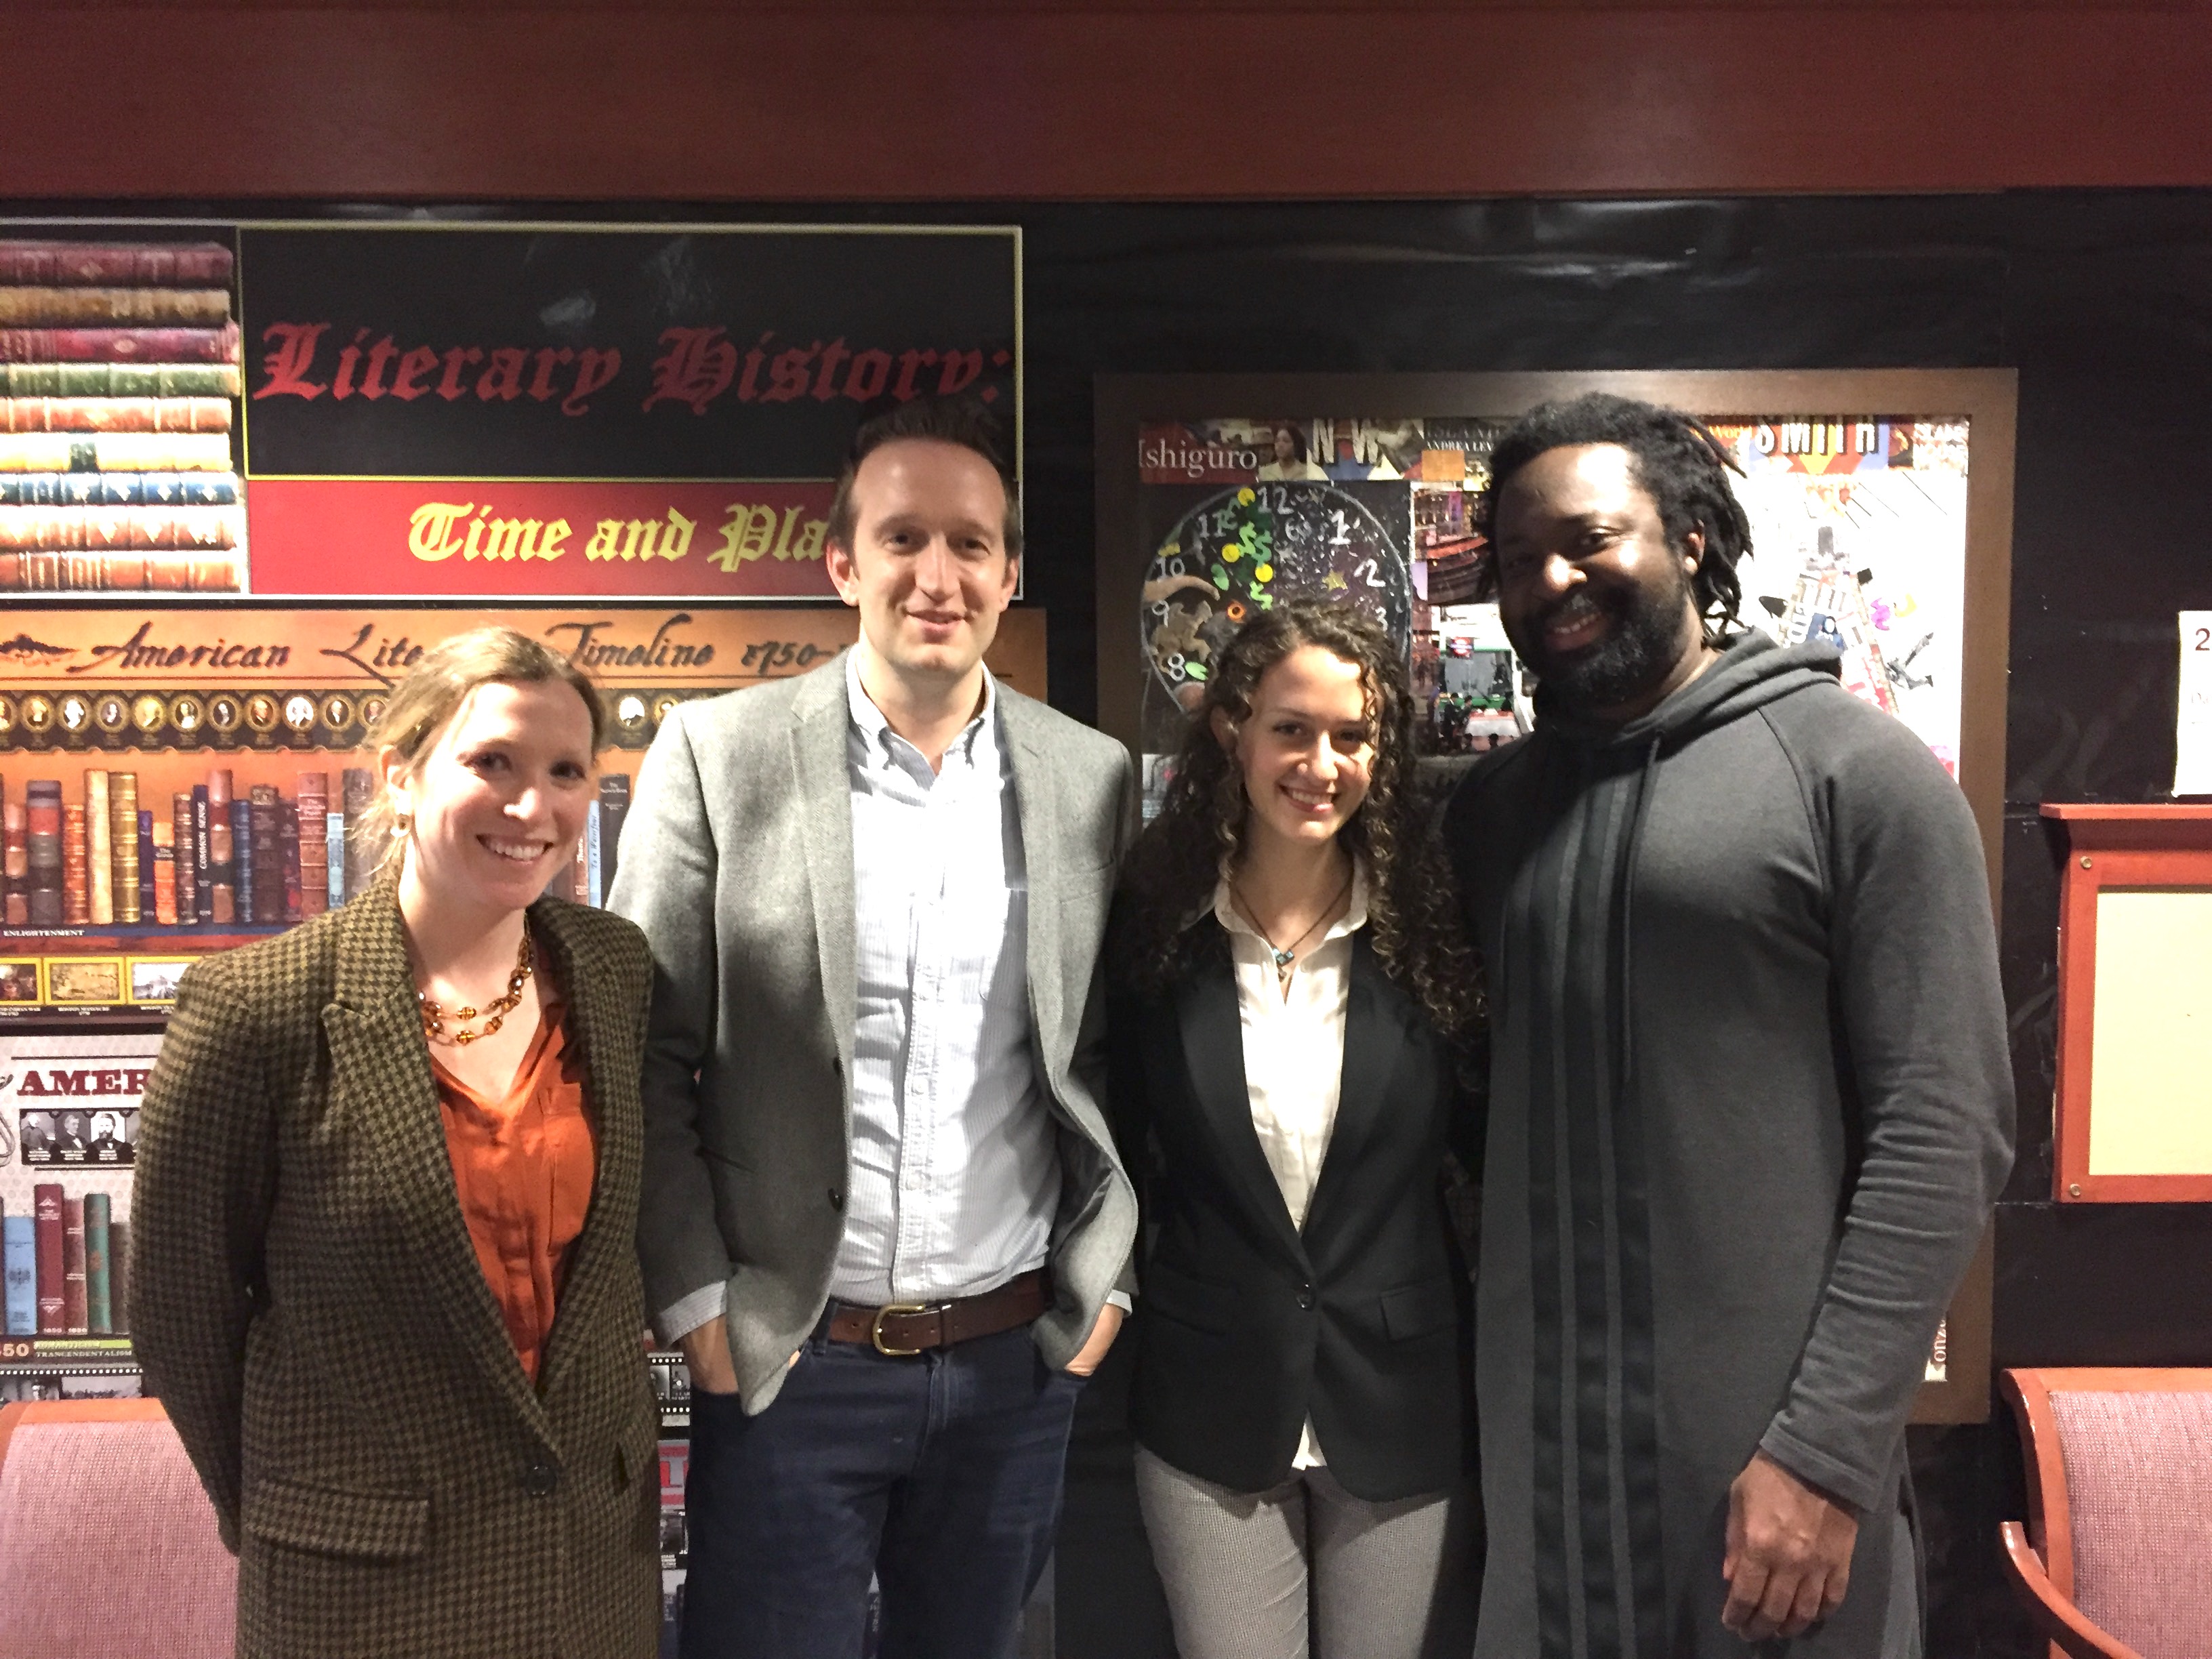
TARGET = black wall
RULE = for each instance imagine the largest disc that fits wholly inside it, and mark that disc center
(2102, 301)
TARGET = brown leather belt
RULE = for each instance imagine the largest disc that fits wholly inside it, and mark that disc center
(911, 1327)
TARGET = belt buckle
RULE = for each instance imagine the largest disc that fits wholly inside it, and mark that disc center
(876, 1327)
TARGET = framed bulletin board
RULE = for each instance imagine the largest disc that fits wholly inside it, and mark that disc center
(2133, 1115)
(1880, 503)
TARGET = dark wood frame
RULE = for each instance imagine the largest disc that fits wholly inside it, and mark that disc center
(1986, 397)
(2116, 846)
(2038, 1558)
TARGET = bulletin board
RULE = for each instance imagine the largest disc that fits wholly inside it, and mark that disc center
(1880, 503)
(251, 469)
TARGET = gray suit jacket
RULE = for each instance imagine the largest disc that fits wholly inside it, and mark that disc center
(737, 860)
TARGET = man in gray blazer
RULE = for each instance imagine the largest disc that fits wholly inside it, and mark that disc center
(881, 1208)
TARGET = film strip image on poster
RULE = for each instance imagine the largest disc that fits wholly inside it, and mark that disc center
(355, 408)
(184, 780)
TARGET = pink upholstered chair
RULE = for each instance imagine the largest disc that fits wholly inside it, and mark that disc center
(108, 1548)
(2116, 1560)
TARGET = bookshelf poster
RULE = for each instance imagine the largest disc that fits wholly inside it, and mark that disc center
(379, 410)
(181, 779)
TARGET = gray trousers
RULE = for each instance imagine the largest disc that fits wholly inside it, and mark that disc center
(1306, 1571)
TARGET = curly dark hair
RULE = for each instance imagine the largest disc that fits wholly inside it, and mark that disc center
(1412, 911)
(1678, 462)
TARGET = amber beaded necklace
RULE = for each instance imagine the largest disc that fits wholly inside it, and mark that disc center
(433, 1015)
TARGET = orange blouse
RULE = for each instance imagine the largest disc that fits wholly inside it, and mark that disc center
(524, 1166)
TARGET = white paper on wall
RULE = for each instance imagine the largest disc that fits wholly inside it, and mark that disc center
(2192, 731)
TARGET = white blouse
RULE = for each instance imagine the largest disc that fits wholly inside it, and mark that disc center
(1294, 1053)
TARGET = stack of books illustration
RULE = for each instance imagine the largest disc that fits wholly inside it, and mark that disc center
(119, 383)
(66, 1264)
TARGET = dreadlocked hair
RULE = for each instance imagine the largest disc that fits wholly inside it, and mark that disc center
(1413, 914)
(1677, 461)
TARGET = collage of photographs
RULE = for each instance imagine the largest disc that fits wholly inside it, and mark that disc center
(1858, 526)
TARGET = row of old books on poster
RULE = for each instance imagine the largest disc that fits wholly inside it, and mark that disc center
(215, 857)
(66, 1265)
(120, 377)
(211, 857)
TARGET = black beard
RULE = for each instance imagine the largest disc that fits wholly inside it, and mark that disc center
(1645, 643)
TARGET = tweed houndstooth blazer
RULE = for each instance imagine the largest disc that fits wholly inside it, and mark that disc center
(313, 1315)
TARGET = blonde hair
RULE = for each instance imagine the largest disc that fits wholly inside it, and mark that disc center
(433, 693)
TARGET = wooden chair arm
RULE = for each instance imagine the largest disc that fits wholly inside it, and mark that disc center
(2054, 1615)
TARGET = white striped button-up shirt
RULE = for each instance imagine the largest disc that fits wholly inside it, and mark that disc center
(955, 1173)
(955, 1165)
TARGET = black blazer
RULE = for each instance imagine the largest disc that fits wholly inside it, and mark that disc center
(1245, 1325)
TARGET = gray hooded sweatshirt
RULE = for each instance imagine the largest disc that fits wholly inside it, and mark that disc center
(1750, 1107)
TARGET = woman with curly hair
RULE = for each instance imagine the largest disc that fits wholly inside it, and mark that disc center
(1292, 1007)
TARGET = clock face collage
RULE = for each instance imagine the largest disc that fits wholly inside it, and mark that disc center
(1240, 516)
(1242, 551)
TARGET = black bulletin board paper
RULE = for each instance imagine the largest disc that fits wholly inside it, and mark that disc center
(635, 352)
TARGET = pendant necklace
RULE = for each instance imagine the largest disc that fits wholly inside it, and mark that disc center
(433, 1015)
(1287, 955)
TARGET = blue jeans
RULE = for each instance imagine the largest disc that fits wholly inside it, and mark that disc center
(941, 1474)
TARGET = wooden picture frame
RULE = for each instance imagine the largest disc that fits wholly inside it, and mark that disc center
(1988, 398)
(2142, 857)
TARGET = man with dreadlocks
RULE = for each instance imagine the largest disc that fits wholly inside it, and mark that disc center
(1750, 1091)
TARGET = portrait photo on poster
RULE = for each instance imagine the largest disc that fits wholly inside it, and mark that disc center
(70, 1137)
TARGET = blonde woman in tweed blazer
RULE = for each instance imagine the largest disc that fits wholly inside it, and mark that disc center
(312, 1309)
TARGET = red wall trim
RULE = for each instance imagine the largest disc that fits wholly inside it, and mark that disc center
(982, 104)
